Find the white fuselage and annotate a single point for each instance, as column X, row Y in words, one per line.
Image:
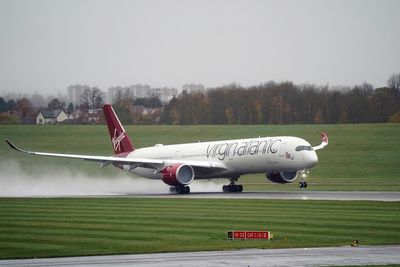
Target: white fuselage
column 242, row 156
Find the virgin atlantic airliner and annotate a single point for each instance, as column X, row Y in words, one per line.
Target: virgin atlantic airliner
column 282, row 158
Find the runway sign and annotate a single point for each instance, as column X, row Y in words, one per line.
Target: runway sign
column 249, row 235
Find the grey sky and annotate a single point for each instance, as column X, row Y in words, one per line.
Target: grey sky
column 48, row 45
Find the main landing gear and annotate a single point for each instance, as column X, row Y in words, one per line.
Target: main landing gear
column 180, row 189
column 232, row 187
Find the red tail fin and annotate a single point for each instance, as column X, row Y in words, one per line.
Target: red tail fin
column 119, row 138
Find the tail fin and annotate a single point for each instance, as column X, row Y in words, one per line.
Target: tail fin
column 119, row 138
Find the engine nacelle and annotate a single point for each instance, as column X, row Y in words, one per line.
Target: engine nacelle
column 178, row 175
column 282, row 177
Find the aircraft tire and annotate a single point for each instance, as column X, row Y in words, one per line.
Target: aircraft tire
column 240, row 188
column 186, row 190
column 232, row 188
column 302, row 184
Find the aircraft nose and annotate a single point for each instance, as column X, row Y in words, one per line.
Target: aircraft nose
column 311, row 159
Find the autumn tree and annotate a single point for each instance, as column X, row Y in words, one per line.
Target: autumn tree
column 284, row 103
column 24, row 106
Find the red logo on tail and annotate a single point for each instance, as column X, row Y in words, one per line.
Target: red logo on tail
column 116, row 140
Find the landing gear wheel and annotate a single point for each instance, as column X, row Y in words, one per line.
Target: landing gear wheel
column 180, row 189
column 302, row 184
column 239, row 188
column 232, row 187
column 186, row 190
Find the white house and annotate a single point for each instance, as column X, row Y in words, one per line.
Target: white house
column 51, row 116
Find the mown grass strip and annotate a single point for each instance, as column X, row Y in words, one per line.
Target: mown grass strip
column 91, row 226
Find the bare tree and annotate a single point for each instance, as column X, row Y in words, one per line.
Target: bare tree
column 56, row 104
column 394, row 81
column 92, row 98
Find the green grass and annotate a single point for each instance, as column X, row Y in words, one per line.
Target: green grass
column 359, row 157
column 94, row 226
column 384, row 265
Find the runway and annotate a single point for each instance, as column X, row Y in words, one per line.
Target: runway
column 289, row 195
column 368, row 255
column 295, row 195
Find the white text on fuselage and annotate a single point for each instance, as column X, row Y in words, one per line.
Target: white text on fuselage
column 252, row 147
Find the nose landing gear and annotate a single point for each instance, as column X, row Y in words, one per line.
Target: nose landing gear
column 304, row 175
column 302, row 184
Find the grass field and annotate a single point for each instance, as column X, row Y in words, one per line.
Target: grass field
column 93, row 226
column 359, row 157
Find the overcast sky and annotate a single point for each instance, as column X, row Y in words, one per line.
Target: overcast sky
column 47, row 45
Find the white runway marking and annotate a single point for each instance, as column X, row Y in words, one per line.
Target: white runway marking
column 368, row 255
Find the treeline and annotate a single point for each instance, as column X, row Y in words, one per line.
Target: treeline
column 269, row 103
column 286, row 103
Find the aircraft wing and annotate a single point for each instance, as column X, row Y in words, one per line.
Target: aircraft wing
column 155, row 164
column 324, row 141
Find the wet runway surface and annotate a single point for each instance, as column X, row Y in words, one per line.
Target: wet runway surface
column 367, row 255
column 290, row 195
column 299, row 195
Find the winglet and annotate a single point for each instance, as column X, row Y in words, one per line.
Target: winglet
column 14, row 146
column 324, row 141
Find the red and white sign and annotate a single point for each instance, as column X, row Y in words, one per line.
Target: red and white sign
column 249, row 235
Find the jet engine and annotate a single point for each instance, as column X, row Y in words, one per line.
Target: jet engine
column 178, row 175
column 282, row 177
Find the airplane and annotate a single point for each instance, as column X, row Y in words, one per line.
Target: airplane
column 282, row 158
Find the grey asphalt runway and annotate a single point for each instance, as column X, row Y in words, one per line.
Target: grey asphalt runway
column 298, row 195
column 368, row 255
column 294, row 195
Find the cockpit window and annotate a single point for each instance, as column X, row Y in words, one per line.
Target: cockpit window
column 301, row 148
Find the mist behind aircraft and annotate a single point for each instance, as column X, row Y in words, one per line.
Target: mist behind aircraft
column 16, row 181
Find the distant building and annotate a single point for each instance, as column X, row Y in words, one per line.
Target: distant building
column 165, row 94
column 51, row 116
column 118, row 92
column 75, row 93
column 136, row 91
column 193, row 88
column 141, row 91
